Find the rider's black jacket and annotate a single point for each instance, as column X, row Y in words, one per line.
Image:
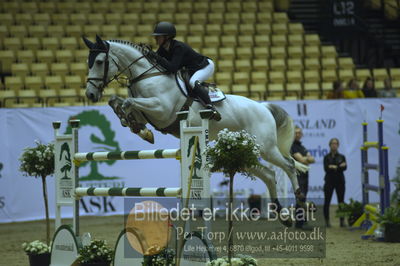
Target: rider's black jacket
column 181, row 55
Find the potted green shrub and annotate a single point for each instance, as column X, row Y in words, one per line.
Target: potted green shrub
column 390, row 220
column 166, row 257
column 231, row 153
column 97, row 253
column 38, row 252
column 352, row 211
column 39, row 162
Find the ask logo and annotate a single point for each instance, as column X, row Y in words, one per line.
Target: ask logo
column 102, row 138
column 104, row 142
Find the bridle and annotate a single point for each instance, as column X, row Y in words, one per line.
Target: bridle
column 105, row 83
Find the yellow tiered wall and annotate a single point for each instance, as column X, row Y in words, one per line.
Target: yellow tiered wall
column 258, row 53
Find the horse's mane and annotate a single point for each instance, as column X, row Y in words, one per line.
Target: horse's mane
column 141, row 47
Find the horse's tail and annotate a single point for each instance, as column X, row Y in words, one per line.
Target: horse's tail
column 285, row 133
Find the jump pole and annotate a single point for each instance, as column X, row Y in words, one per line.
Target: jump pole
column 67, row 160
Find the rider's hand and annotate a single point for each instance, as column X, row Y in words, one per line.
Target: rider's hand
column 152, row 55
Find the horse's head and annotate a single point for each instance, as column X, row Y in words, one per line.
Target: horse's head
column 101, row 68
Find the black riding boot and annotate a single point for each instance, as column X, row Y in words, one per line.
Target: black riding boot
column 202, row 93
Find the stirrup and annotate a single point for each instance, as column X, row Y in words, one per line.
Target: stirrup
column 215, row 115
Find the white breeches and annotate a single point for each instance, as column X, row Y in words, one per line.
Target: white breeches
column 203, row 74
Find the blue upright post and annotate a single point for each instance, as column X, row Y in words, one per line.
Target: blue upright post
column 364, row 171
column 381, row 171
column 386, row 176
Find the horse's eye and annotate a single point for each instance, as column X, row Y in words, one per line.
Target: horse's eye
column 99, row 62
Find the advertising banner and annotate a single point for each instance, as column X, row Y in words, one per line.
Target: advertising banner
column 100, row 130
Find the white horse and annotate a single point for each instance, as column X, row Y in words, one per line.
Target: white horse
column 154, row 97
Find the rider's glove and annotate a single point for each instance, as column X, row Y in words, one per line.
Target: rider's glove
column 152, row 55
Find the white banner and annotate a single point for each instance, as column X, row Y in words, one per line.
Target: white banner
column 21, row 197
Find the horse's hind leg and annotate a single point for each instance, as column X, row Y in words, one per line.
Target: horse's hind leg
column 288, row 165
column 275, row 157
column 295, row 183
column 268, row 177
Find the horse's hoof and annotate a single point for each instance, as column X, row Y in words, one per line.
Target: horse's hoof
column 147, row 135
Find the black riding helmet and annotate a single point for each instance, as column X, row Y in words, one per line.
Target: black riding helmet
column 164, row 29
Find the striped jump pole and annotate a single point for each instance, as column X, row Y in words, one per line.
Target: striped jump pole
column 129, row 192
column 127, row 155
column 68, row 158
column 194, row 179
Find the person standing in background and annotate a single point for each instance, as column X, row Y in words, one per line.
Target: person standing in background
column 369, row 88
column 337, row 90
column 334, row 165
column 353, row 90
column 388, row 91
column 300, row 154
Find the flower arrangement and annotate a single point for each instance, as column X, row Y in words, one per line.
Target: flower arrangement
column 39, row 162
column 233, row 152
column 96, row 251
column 36, row 247
column 165, row 258
column 240, row 260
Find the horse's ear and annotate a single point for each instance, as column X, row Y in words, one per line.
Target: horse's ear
column 88, row 43
column 98, row 39
column 102, row 44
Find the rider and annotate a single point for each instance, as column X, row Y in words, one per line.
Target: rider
column 174, row 55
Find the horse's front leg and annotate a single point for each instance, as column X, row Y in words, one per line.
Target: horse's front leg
column 150, row 105
column 131, row 120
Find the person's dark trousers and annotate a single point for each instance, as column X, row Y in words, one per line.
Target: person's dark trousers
column 331, row 184
column 303, row 184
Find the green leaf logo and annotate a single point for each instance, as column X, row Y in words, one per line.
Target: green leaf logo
column 105, row 142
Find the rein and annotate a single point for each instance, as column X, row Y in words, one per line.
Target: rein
column 142, row 76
